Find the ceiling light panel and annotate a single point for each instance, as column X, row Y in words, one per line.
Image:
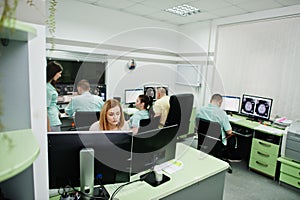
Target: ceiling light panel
column 183, row 10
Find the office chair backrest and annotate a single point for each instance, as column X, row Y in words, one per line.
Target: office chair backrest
column 149, row 124
column 209, row 137
column 181, row 106
column 84, row 119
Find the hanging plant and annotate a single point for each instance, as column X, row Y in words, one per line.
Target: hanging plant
column 51, row 22
column 8, row 9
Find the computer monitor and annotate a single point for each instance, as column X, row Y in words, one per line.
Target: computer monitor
column 256, row 107
column 231, row 104
column 131, row 95
column 112, row 153
column 151, row 90
column 153, row 147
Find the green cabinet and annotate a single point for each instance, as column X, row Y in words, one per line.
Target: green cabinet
column 264, row 153
column 289, row 172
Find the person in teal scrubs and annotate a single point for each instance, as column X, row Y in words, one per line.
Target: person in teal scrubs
column 143, row 103
column 85, row 101
column 213, row 112
column 54, row 71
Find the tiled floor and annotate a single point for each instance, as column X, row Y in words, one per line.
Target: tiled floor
column 245, row 184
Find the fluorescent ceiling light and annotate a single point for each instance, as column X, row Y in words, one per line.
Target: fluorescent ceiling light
column 183, row 10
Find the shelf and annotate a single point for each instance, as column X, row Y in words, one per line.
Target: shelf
column 17, row 30
column 18, row 150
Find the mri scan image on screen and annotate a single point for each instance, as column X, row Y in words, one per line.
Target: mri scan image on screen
column 256, row 107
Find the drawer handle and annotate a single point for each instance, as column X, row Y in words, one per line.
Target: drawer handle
column 263, row 154
column 262, row 164
column 267, row 145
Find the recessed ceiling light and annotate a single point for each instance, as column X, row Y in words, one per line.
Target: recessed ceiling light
column 183, row 10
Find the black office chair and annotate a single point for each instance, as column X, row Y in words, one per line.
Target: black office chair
column 181, row 106
column 84, row 119
column 149, row 124
column 209, row 137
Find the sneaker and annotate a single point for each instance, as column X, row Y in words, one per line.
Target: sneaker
column 235, row 159
column 229, row 170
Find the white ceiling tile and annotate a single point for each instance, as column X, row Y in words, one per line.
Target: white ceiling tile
column 234, row 2
column 88, row 1
column 141, row 9
column 115, row 4
column 258, row 5
column 163, row 15
column 288, row 2
column 208, row 5
column 162, row 4
column 228, row 11
column 137, row 1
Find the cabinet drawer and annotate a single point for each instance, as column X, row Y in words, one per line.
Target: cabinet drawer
column 289, row 180
column 266, row 157
column 290, row 170
column 262, row 166
column 265, row 146
column 294, row 145
column 295, row 155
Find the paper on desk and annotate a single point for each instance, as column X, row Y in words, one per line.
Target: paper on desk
column 172, row 166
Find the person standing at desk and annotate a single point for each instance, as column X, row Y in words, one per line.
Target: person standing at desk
column 143, row 103
column 213, row 112
column 85, row 101
column 162, row 106
column 54, row 71
column 111, row 118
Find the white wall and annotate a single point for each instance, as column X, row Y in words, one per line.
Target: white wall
column 219, row 77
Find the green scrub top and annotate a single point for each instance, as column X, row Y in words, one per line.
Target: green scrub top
column 134, row 120
column 52, row 108
column 216, row 114
column 84, row 102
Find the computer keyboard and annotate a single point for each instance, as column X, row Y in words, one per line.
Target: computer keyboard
column 232, row 119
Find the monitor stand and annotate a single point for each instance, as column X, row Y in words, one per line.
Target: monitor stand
column 130, row 105
column 151, row 179
column 87, row 176
column 255, row 119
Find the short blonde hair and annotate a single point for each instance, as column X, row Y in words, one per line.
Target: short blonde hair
column 111, row 103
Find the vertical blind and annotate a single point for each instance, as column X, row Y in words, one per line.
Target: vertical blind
column 261, row 58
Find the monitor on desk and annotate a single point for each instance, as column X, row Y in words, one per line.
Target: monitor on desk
column 112, row 153
column 153, row 147
column 231, row 104
column 151, row 90
column 131, row 95
column 257, row 108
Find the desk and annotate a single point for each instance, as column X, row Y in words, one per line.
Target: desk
column 263, row 141
column 202, row 176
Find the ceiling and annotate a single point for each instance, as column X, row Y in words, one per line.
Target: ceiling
column 210, row 9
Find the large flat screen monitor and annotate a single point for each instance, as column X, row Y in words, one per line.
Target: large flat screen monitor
column 112, row 153
column 153, row 147
column 256, row 107
column 131, row 95
column 231, row 104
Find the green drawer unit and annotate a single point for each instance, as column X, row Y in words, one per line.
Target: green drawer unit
column 262, row 166
column 293, row 171
column 289, row 180
column 264, row 146
column 263, row 157
column 289, row 172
